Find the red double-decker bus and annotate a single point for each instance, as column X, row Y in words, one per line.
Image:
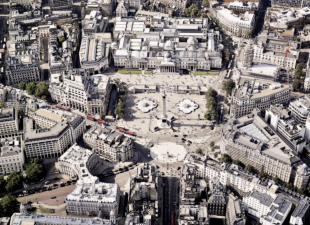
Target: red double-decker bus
column 101, row 121
column 58, row 106
column 90, row 117
column 121, row 130
column 130, row 133
column 172, row 218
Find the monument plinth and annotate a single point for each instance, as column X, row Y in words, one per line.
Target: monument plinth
column 163, row 123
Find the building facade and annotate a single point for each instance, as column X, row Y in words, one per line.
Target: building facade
column 76, row 89
column 238, row 25
column 22, row 67
column 250, row 140
column 51, row 141
column 9, row 122
column 254, row 93
column 90, row 197
column 11, row 156
column 109, row 144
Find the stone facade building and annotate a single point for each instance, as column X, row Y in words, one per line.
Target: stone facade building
column 9, row 122
column 90, row 197
column 24, row 66
column 254, row 93
column 109, row 144
column 250, row 140
column 238, row 25
column 11, row 157
column 76, row 89
column 183, row 45
column 51, row 132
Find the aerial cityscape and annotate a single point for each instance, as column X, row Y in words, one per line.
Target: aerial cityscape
column 144, row 112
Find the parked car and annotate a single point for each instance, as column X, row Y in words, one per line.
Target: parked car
column 62, row 184
column 47, row 182
column 53, row 197
column 178, row 168
column 55, row 185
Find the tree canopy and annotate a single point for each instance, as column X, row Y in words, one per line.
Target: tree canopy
column 22, row 85
column 14, row 181
column 42, row 90
column 228, row 86
column 211, row 104
column 31, row 88
column 35, row 171
column 199, row 151
column 226, row 158
column 2, row 182
column 8, row 204
column 205, row 3
column 249, row 168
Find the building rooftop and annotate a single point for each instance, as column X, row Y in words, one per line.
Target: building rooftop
column 88, row 187
column 32, row 219
column 253, row 132
column 249, row 88
column 264, row 199
column 7, row 114
column 301, row 209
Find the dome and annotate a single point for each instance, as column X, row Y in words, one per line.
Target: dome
column 167, row 55
column 290, row 14
column 192, row 41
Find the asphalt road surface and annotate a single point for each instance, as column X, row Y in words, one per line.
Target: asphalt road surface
column 45, row 197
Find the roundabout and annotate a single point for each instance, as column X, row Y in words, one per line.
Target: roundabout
column 168, row 152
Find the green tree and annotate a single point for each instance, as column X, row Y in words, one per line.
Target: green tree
column 236, row 162
column 22, row 85
column 289, row 186
column 205, row 3
column 31, row 88
column 35, row 171
column 212, row 144
column 42, row 90
column 14, row 181
column 211, row 93
column 226, row 158
column 301, row 191
column 296, row 84
column 226, row 101
column 2, row 105
column 8, row 204
column 263, row 174
column 239, row 33
column 249, row 168
column 276, row 179
column 61, row 39
column 228, row 86
column 119, row 110
column 199, row 151
column 191, row 11
column 216, row 154
column 2, row 183
column 102, row 117
column 208, row 115
column 298, row 39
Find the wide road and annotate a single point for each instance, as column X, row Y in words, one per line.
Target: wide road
column 45, row 197
column 171, row 199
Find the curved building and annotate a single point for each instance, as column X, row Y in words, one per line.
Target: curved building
column 90, row 197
